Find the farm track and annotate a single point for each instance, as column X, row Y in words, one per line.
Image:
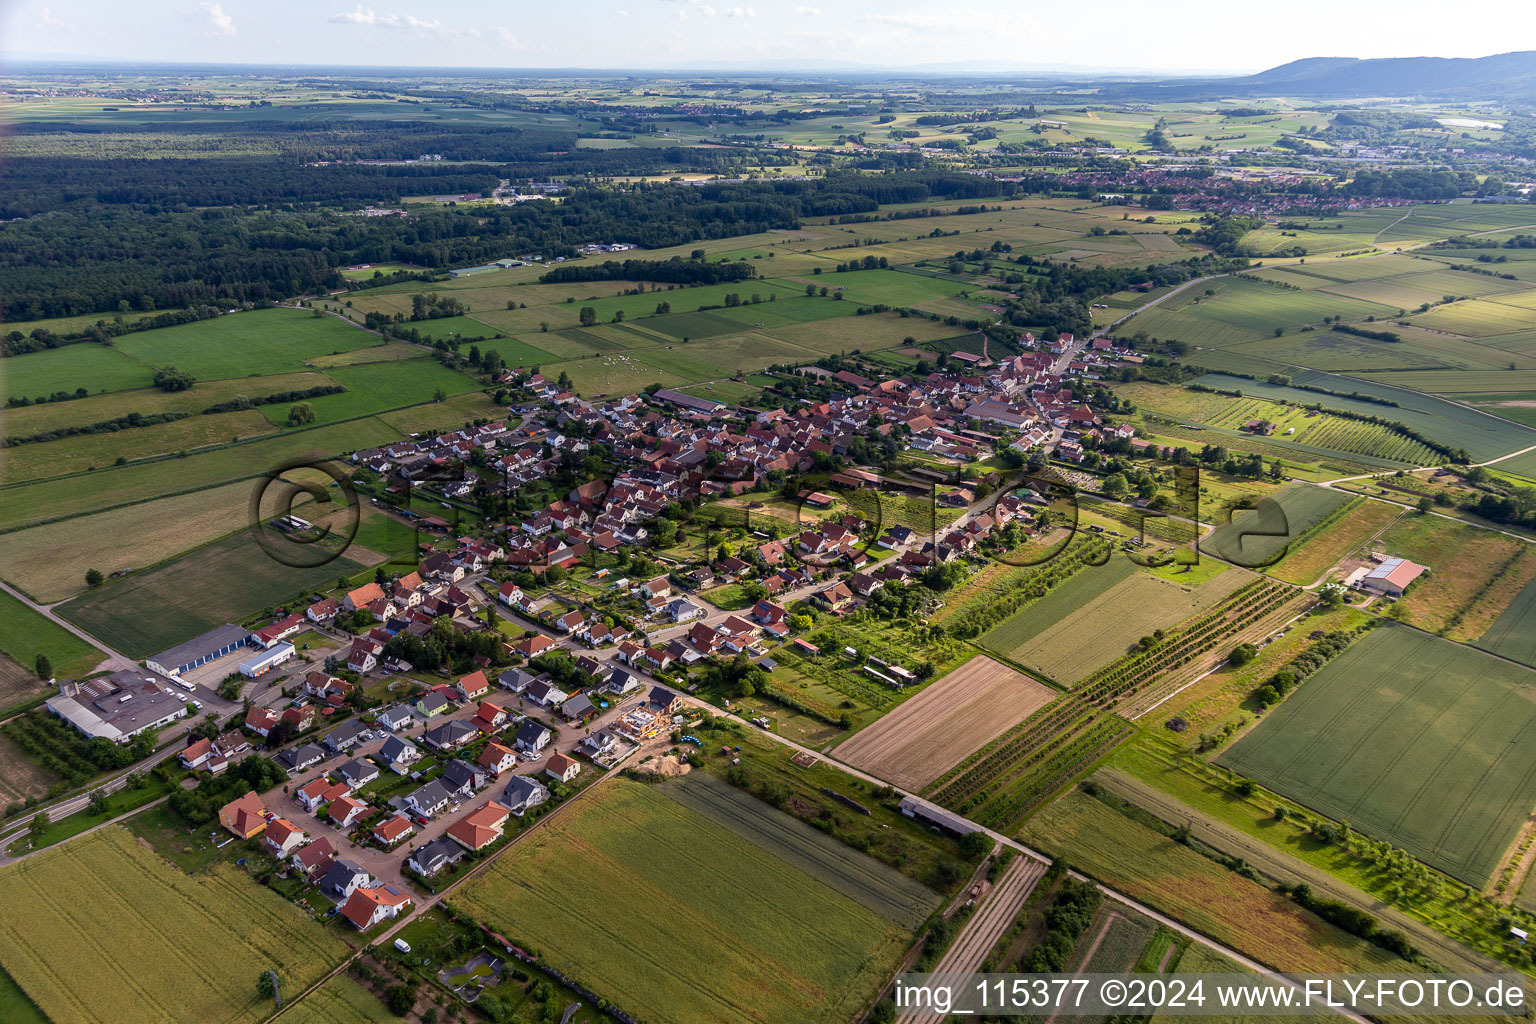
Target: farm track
column 998, row 909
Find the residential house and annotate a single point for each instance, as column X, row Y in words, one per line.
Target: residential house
column 450, row 735
column 367, row 907
column 429, row 800
column 663, row 701
column 314, row 859
column 515, row 679
column 245, row 816
column 474, row 685
column 346, row 735
column 431, row 704
column 497, row 758
column 283, row 837
column 362, row 597
column 463, row 778
column 523, row 793
column 401, row 716
column 358, row 772
column 301, row 757
column 601, row 745
column 562, row 767
column 835, row 597
column 489, row 717
column 393, row 831
column 345, row 811
column 532, row 737
column 545, row 693
column 260, row 720
column 312, row 794
column 322, row 611
column 479, row 828
column 578, row 708
column 430, row 858
column 399, row 753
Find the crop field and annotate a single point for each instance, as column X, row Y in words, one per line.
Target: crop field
column 67, row 909
column 21, row 778
column 1475, row 318
column 1265, row 534
column 1344, row 529
column 1483, row 436
column 49, row 562
column 83, row 453
column 160, row 607
column 374, row 387
column 35, row 419
column 1513, row 633
column 108, row 488
column 242, row 344
column 729, row 931
column 85, row 365
column 1146, row 865
column 25, row 634
column 862, row 879
column 951, row 718
column 1473, row 573
column 1426, row 744
column 1099, row 616
column 341, row 1000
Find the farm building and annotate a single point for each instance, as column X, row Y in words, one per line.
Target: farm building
column 692, row 404
column 267, row 660
column 1392, row 577
column 116, row 707
column 200, row 650
column 928, row 814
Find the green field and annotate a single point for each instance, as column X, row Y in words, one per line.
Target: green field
column 864, row 880
column 107, row 488
column 84, row 365
column 225, row 581
column 1264, row 534
column 1412, row 739
column 1513, row 633
column 675, row 918
column 24, row 634
column 1097, row 616
column 375, row 387
column 198, row 941
column 259, row 342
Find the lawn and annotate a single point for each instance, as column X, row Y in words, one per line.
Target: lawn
column 730, row 598
column 25, row 634
column 198, row 941
column 1412, row 739
column 85, row 365
column 728, row 931
column 160, row 607
column 246, row 344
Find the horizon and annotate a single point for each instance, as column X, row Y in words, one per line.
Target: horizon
column 694, row 36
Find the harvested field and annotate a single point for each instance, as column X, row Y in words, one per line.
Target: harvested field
column 954, row 716
column 19, row 777
column 340, row 1000
column 18, row 684
column 99, row 930
column 1424, row 743
column 865, row 880
column 728, row 931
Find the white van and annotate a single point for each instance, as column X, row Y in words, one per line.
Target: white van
column 402, row 945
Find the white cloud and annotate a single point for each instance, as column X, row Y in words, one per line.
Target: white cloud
column 741, row 12
column 367, row 16
column 808, row 12
column 214, row 21
column 506, row 38
column 46, row 22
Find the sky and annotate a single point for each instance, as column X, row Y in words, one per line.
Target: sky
column 1172, row 35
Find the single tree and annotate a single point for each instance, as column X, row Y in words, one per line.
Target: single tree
column 301, row 414
column 44, row 667
column 94, row 578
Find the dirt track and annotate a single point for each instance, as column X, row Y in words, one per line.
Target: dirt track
column 932, row 732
